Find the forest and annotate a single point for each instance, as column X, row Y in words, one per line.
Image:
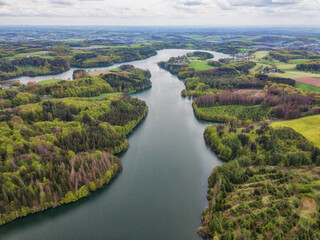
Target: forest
column 18, row 61
column 56, row 151
column 59, row 140
column 268, row 186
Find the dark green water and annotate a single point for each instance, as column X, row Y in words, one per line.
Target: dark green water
column 161, row 192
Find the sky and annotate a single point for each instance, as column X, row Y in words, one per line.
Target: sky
column 161, row 12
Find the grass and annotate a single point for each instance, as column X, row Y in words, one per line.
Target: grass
column 261, row 54
column 200, row 65
column 307, row 87
column 297, row 61
column 34, row 54
column 104, row 95
column 297, row 74
column 289, row 68
column 115, row 70
column 309, row 127
column 49, row 81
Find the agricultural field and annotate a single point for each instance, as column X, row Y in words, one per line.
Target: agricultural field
column 309, row 127
column 307, row 87
column 48, row 81
column 296, row 74
column 287, row 69
column 200, row 65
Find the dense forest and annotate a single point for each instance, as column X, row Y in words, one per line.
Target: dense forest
column 128, row 80
column 55, row 151
column 309, row 66
column 57, row 59
column 268, row 189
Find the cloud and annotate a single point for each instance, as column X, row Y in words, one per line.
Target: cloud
column 2, row 3
column 261, row 3
column 160, row 12
column 62, row 2
column 193, row 3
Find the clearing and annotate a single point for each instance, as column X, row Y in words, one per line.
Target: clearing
column 200, row 65
column 49, row 81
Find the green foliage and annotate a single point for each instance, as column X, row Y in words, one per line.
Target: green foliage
column 54, row 152
column 32, row 66
column 133, row 79
column 286, row 55
column 264, row 145
column 233, row 112
column 259, row 202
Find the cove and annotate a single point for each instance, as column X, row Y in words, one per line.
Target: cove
column 161, row 192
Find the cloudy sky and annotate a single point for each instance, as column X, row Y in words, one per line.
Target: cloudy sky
column 160, row 12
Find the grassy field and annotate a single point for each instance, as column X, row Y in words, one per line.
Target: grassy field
column 307, row 87
column 261, row 54
column 200, row 65
column 309, row 127
column 289, row 68
column 297, row 61
column 296, row 74
column 104, row 95
column 49, row 81
column 42, row 54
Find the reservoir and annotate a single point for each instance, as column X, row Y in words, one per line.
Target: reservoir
column 161, row 191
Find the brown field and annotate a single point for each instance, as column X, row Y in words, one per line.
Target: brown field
column 251, row 92
column 309, row 80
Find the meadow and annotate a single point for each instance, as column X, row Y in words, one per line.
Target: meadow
column 307, row 87
column 309, row 127
column 200, row 65
column 48, row 81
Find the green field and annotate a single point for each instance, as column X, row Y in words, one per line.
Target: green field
column 289, row 68
column 200, row 65
column 34, row 54
column 104, row 95
column 297, row 61
column 296, row 74
column 309, row 127
column 49, row 81
column 307, row 87
column 261, row 54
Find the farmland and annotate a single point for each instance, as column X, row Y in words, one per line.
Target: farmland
column 307, row 87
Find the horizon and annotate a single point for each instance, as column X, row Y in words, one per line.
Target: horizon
column 161, row 13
